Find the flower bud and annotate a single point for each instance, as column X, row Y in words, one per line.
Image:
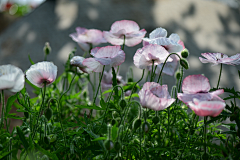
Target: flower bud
column 117, row 146
column 178, row 75
column 48, row 113
column 184, row 63
column 47, row 49
column 123, row 103
column 108, row 144
column 146, row 127
column 155, row 120
column 137, row 123
column 185, row 53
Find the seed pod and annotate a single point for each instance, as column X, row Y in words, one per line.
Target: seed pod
column 137, row 123
column 117, row 146
column 146, row 127
column 155, row 120
column 48, row 113
column 185, row 53
column 123, row 103
column 108, row 144
column 184, row 63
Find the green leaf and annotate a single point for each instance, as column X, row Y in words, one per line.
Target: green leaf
column 4, row 155
column 114, row 132
column 30, row 59
column 107, row 91
column 103, row 104
column 22, row 137
column 10, row 103
column 15, row 117
column 133, row 95
column 100, row 138
column 79, row 122
column 89, row 107
column 50, row 155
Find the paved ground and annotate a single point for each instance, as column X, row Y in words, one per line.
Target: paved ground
column 204, row 26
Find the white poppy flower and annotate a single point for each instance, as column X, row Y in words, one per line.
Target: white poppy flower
column 42, row 72
column 11, row 78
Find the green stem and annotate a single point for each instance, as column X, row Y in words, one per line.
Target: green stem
column 41, row 108
column 219, row 76
column 164, row 65
column 108, row 105
column 99, row 84
column 205, row 135
column 152, row 71
column 123, row 42
column 60, row 106
column 3, row 106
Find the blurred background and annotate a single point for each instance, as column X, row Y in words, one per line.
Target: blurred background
column 203, row 26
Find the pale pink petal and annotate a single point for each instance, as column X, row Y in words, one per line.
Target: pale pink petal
column 127, row 25
column 135, row 38
column 150, row 101
column 187, row 98
column 144, row 43
column 108, row 51
column 94, row 51
column 19, row 81
column 207, row 60
column 118, row 59
column 104, row 61
column 195, row 84
column 94, row 36
column 81, row 30
column 169, row 67
column 77, row 61
column 114, row 40
column 158, row 32
column 207, row 108
column 92, row 64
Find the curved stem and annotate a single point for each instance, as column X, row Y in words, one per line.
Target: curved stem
column 164, row 65
column 219, row 76
column 42, row 105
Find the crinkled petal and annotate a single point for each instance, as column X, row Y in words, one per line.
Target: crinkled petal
column 187, row 98
column 174, row 37
column 77, row 61
column 158, row 32
column 169, row 67
column 81, row 30
column 108, row 51
column 92, row 64
column 195, row 84
column 207, row 108
column 114, row 40
column 134, row 39
column 128, row 25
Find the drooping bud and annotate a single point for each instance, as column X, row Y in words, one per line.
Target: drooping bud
column 48, row 113
column 146, row 127
column 108, row 144
column 123, row 103
column 177, row 75
column 155, row 120
column 184, row 63
column 136, row 124
column 185, row 53
column 47, row 49
column 117, row 146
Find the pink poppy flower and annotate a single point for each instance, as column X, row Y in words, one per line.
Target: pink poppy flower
column 145, row 56
column 131, row 30
column 207, row 108
column 77, row 61
column 109, row 55
column 11, row 78
column 42, row 72
column 158, row 36
column 197, row 87
column 154, row 96
column 217, row 58
column 84, row 37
